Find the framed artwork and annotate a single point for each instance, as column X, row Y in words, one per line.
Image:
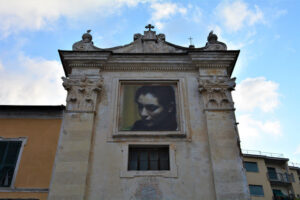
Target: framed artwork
column 148, row 107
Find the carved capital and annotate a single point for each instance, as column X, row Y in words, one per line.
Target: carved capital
column 216, row 92
column 82, row 92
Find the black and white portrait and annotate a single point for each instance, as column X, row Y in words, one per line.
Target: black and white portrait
column 148, row 108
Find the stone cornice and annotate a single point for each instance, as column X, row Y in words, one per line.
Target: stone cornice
column 149, row 67
column 110, row 61
column 90, row 65
column 219, row 109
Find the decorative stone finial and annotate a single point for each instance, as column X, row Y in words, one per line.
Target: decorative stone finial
column 213, row 44
column 86, row 44
column 87, row 37
column 212, row 38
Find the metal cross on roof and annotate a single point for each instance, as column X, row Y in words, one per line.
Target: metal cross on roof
column 191, row 40
column 149, row 26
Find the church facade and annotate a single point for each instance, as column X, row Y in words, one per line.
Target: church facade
column 149, row 120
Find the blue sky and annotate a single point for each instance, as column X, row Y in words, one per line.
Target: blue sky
column 267, row 33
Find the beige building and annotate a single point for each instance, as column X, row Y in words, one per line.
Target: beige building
column 28, row 141
column 270, row 177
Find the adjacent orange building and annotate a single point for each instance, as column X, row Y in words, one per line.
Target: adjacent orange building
column 28, row 141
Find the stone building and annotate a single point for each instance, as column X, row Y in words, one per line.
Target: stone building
column 149, row 120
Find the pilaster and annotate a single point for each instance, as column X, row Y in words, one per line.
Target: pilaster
column 229, row 177
column 72, row 158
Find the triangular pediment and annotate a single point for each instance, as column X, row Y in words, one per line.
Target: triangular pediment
column 150, row 42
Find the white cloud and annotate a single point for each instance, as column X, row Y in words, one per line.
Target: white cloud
column 276, row 36
column 164, row 11
column 251, row 130
column 254, row 93
column 297, row 152
column 280, row 13
column 18, row 15
column 38, row 81
column 1, row 66
column 249, row 126
column 236, row 14
column 196, row 13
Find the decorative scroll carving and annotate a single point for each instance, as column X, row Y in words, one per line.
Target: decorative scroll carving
column 216, row 92
column 86, row 44
column 82, row 92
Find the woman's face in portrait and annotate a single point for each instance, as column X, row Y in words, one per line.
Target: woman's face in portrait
column 150, row 110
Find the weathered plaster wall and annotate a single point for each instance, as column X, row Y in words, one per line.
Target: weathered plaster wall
column 205, row 159
column 38, row 155
column 194, row 177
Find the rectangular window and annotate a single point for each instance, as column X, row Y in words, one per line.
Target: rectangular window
column 143, row 158
column 272, row 173
column 9, row 152
column 251, row 166
column 292, row 177
column 256, row 190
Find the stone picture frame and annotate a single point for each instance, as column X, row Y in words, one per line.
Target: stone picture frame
column 177, row 84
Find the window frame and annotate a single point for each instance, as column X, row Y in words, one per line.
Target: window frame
column 23, row 141
column 258, row 195
column 126, row 173
column 252, row 162
column 148, row 149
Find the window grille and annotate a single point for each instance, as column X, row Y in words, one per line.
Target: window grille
column 143, row 158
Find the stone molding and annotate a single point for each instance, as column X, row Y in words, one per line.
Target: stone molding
column 148, row 67
column 212, row 65
column 37, row 190
column 109, row 61
column 216, row 92
column 82, row 92
column 96, row 65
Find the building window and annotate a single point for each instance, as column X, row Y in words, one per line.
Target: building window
column 145, row 158
column 251, row 166
column 256, row 190
column 9, row 153
column 279, row 195
column 292, row 177
column 272, row 173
